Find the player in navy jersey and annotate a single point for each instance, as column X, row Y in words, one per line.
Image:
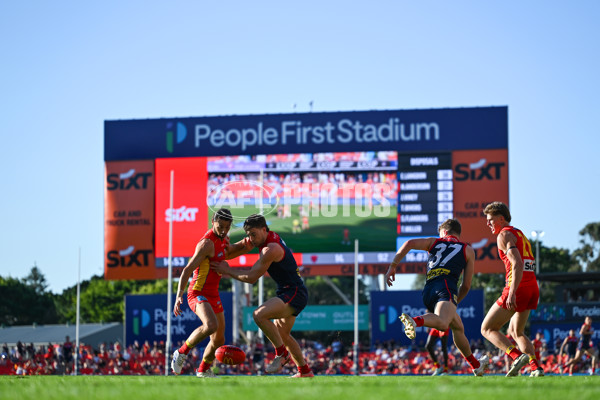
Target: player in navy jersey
column 448, row 259
column 568, row 346
column 584, row 346
column 291, row 296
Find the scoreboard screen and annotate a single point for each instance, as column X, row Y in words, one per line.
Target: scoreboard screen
column 321, row 180
column 426, row 193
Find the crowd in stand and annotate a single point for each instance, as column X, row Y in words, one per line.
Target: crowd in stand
column 335, row 359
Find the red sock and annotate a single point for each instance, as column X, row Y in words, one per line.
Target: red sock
column 513, row 352
column 185, row 348
column 473, row 362
column 305, row 369
column 533, row 363
column 204, row 366
column 281, row 350
column 419, row 321
column 436, row 364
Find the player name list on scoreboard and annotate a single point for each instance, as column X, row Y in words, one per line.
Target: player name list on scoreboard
column 425, row 193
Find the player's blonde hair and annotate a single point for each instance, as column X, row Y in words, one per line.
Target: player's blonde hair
column 497, row 208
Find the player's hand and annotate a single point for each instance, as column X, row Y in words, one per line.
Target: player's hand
column 220, row 267
column 511, row 301
column 390, row 275
column 177, row 307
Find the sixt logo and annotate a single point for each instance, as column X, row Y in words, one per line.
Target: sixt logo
column 479, row 170
column 181, row 214
column 177, row 132
column 141, row 319
column 484, row 250
column 128, row 258
column 128, row 180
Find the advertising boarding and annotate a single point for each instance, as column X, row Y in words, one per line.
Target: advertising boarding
column 386, row 308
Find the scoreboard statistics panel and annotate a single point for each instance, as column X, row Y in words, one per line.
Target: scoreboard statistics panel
column 426, row 194
column 382, row 177
column 438, row 186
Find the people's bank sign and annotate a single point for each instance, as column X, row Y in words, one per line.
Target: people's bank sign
column 146, row 319
column 393, row 130
column 387, row 306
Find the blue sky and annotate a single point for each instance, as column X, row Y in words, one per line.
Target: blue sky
column 67, row 66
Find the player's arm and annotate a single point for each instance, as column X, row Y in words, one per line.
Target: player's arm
column 269, row 254
column 465, row 286
column 507, row 242
column 412, row 244
column 204, row 248
column 562, row 346
column 585, row 329
column 237, row 249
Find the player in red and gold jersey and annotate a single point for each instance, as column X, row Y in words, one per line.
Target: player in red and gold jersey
column 520, row 294
column 203, row 295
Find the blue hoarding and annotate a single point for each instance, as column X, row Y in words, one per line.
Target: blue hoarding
column 392, row 130
column 146, row 319
column 387, row 306
column 555, row 333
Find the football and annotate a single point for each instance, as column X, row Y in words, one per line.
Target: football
column 230, row 355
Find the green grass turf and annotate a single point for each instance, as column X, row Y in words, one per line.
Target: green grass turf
column 326, row 233
column 280, row 387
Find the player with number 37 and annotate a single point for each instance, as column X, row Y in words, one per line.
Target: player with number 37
column 448, row 259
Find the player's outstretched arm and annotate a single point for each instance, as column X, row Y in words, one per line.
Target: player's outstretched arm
column 237, row 249
column 204, row 248
column 413, row 244
column 269, row 254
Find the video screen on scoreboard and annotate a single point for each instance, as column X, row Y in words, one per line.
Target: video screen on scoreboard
column 318, row 202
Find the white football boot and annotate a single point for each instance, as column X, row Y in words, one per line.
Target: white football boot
column 177, row 362
column 410, row 326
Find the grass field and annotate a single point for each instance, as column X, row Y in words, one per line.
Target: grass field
column 279, row 387
column 325, row 233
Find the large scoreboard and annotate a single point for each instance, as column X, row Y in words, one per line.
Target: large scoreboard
column 322, row 180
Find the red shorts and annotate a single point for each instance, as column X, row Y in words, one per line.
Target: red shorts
column 436, row 333
column 196, row 297
column 527, row 298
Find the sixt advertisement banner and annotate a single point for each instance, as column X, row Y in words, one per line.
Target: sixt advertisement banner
column 387, row 306
column 190, row 211
column 146, row 319
column 392, row 130
column 129, row 220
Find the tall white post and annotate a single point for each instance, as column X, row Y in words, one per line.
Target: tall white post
column 76, row 359
column 356, row 372
column 537, row 235
column 236, row 294
column 261, row 299
column 169, row 277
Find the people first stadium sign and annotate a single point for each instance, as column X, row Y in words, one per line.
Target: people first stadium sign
column 322, row 179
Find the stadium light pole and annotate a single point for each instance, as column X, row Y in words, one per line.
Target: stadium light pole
column 169, row 277
column 537, row 235
column 76, row 366
column 356, row 371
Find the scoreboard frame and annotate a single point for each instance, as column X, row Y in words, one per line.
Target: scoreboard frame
column 473, row 143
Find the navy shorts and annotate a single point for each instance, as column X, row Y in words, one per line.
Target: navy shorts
column 583, row 345
column 295, row 296
column 439, row 290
